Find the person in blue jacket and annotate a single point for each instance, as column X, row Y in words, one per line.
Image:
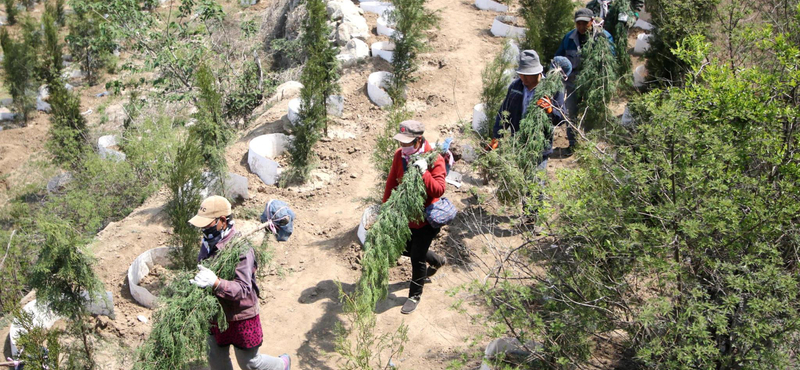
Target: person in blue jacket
column 571, row 49
column 519, row 99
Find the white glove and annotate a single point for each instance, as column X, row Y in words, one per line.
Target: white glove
column 422, row 164
column 204, row 278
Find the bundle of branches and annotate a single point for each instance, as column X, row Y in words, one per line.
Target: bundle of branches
column 387, row 238
column 598, row 78
column 181, row 323
column 620, row 19
column 536, row 128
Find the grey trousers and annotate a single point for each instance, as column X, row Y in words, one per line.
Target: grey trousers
column 219, row 358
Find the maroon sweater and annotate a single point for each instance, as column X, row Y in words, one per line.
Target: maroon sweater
column 434, row 179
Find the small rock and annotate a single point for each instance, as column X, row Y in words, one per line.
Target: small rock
column 142, row 318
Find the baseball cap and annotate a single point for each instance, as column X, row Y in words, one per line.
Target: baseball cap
column 212, row 207
column 584, row 14
column 409, row 130
column 529, row 63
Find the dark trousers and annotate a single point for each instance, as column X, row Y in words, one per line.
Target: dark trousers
column 418, row 248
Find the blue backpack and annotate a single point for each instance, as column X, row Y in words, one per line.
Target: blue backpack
column 440, row 213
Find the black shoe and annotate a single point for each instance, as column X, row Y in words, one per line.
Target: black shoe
column 410, row 305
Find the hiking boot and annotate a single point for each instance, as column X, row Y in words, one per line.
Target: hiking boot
column 410, row 305
column 286, row 360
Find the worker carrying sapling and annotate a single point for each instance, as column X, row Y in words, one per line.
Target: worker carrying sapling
column 519, row 99
column 423, row 232
column 238, row 297
column 570, row 48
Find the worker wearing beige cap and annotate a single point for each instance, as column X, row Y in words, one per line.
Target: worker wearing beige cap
column 238, row 297
column 422, row 233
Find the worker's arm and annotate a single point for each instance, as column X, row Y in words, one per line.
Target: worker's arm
column 241, row 286
column 434, row 178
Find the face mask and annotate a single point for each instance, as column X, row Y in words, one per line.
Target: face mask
column 211, row 232
column 408, row 150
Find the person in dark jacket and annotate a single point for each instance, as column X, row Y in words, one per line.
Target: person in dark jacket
column 238, row 297
column 520, row 97
column 570, row 48
column 422, row 233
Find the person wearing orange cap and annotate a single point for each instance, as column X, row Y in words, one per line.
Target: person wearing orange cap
column 422, row 233
column 238, row 297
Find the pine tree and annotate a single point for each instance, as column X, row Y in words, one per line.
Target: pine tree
column 19, row 77
column 51, row 60
column 90, row 39
column 411, row 21
column 64, row 280
column 67, row 140
column 597, row 80
column 11, row 12
column 211, row 130
column 495, row 85
column 547, row 21
column 185, row 182
column 182, row 320
column 39, row 347
column 319, row 82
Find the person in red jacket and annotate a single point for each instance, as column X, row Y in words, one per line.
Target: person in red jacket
column 422, row 234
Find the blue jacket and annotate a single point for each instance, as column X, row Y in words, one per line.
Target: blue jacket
column 571, row 49
column 513, row 104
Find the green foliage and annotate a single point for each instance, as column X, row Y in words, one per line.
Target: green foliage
column 56, row 8
column 287, row 53
column 34, row 340
column 619, row 31
column 411, row 21
column 67, row 140
column 51, row 60
column 247, row 96
column 16, row 259
column 547, row 22
column 90, row 38
column 63, row 277
column 674, row 21
column 495, row 85
column 19, row 77
column 386, row 145
column 211, row 130
column 185, row 183
column 182, row 320
column 681, row 233
column 319, row 82
column 11, row 11
column 597, row 81
column 368, row 350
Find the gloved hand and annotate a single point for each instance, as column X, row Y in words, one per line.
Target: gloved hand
column 493, row 145
column 422, row 164
column 204, row 277
column 545, row 104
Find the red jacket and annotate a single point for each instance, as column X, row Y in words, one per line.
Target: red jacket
column 433, row 179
